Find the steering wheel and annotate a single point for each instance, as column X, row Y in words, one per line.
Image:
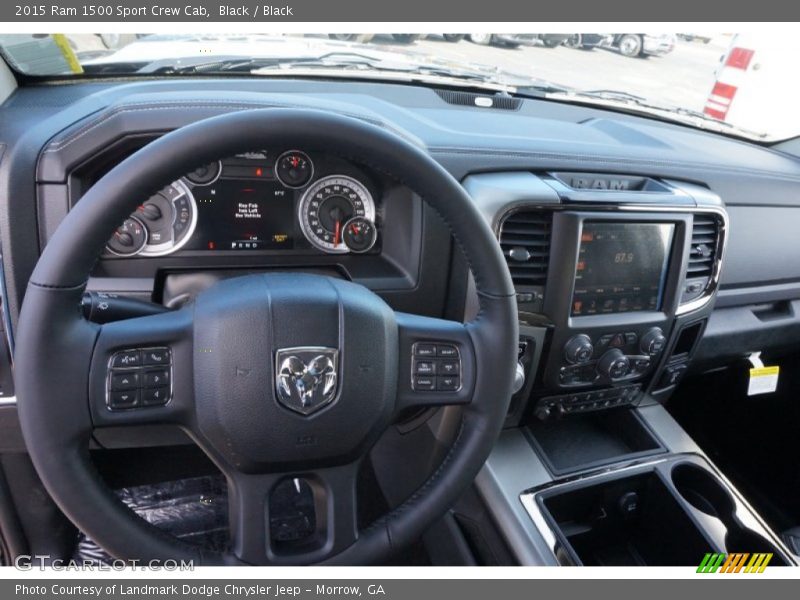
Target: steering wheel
column 274, row 376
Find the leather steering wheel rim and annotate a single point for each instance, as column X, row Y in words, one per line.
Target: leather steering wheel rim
column 56, row 346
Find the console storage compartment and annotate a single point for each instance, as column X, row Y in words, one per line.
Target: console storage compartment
column 592, row 440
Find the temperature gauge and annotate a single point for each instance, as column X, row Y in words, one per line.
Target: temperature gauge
column 129, row 238
column 359, row 235
column 294, row 169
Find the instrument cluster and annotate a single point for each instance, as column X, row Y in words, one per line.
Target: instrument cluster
column 252, row 202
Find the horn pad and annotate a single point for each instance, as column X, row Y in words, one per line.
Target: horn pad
column 292, row 370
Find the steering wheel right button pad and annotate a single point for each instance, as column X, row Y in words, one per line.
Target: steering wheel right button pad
column 436, row 367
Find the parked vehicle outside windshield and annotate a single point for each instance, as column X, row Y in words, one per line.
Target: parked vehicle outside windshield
column 702, row 80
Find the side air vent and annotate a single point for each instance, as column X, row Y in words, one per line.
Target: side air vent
column 525, row 240
column 704, row 246
column 702, row 257
column 480, row 100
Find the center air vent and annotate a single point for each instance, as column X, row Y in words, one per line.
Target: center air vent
column 525, row 240
column 703, row 252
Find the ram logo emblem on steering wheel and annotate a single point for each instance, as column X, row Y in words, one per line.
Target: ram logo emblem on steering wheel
column 306, row 377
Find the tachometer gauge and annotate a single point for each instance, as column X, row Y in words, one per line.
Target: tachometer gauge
column 170, row 217
column 128, row 239
column 359, row 235
column 294, row 169
column 328, row 205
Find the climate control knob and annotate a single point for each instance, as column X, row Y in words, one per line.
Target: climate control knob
column 578, row 349
column 653, row 342
column 613, row 364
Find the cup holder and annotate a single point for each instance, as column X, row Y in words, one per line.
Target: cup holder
column 702, row 490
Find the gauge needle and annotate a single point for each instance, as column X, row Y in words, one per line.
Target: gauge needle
column 337, row 232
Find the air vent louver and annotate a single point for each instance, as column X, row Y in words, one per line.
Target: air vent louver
column 525, row 240
column 705, row 230
column 479, row 100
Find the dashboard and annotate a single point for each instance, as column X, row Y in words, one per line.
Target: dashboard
column 261, row 200
column 630, row 242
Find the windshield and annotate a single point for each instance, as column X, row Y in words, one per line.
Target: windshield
column 738, row 84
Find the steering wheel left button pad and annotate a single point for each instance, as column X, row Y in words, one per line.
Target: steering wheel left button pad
column 139, row 378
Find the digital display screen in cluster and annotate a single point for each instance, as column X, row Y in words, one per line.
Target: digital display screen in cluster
column 235, row 214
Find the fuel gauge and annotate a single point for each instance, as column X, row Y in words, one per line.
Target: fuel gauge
column 359, row 235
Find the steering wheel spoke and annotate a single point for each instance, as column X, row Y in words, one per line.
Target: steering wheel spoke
column 141, row 371
column 292, row 518
column 437, row 363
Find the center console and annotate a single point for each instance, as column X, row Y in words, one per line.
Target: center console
column 614, row 287
column 666, row 512
column 610, row 279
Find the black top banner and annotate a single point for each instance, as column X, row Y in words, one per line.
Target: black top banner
column 446, row 12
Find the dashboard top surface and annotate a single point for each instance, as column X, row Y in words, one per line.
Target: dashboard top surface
column 53, row 129
column 540, row 132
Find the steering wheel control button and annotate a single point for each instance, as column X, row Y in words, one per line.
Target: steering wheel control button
column 155, row 396
column 424, row 383
column 156, row 356
column 448, row 367
column 125, row 380
column 436, row 367
column 131, row 384
column 447, row 384
column 446, row 351
column 128, row 358
column 424, row 367
column 124, row 399
column 425, row 350
column 156, row 378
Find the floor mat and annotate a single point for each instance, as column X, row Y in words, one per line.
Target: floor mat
column 194, row 510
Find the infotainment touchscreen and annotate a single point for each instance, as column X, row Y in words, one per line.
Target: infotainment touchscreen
column 621, row 267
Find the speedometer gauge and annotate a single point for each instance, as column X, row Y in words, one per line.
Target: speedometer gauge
column 328, row 205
